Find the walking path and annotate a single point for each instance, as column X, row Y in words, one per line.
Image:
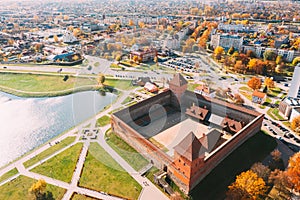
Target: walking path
column 149, row 191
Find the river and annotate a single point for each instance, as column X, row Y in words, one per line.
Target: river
column 26, row 123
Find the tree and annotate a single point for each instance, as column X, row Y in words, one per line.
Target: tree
column 230, row 50
column 118, row 58
column 155, row 60
column 278, row 59
column 239, row 66
column 269, row 55
column 75, row 57
column 254, row 83
column 101, row 79
column 295, row 125
column 247, row 186
column 276, row 155
column 238, row 99
column 55, row 38
column 296, row 61
column 269, row 83
column 293, row 172
column 218, row 52
column 261, row 170
column 38, row 188
column 280, row 180
column 135, row 58
column 130, row 23
column 250, row 54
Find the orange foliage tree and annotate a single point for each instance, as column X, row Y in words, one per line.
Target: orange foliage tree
column 254, row 83
column 293, row 171
column 295, row 125
column 247, row 186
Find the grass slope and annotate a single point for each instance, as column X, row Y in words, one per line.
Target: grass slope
column 61, row 166
column 18, row 189
column 102, row 173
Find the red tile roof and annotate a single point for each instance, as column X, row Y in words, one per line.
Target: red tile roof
column 178, row 80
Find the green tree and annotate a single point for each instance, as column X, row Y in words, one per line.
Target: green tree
column 269, row 55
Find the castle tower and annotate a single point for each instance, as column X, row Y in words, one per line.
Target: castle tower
column 178, row 85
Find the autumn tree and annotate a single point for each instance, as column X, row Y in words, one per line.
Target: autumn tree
column 278, row 59
column 38, row 188
column 130, row 23
column 276, row 155
column 269, row 83
column 218, row 52
column 135, row 58
column 261, row 170
column 118, row 58
column 254, row 83
column 55, row 38
column 155, row 60
column 238, row 99
column 247, row 186
column 230, row 50
column 280, row 180
column 100, row 79
column 295, row 125
column 239, row 66
column 293, row 171
column 296, row 61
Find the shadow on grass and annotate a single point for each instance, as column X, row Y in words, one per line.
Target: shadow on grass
column 214, row 185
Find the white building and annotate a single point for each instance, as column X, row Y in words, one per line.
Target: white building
column 295, row 113
column 294, row 91
column 226, row 41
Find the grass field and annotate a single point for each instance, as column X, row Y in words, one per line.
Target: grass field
column 61, row 166
column 102, row 173
column 127, row 100
column 49, row 151
column 253, row 150
column 103, row 121
column 121, row 84
column 42, row 83
column 8, row 174
column 192, row 87
column 136, row 160
column 18, row 189
column 274, row 114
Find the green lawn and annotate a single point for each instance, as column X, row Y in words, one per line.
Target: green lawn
column 274, row 114
column 136, row 160
column 18, row 189
column 246, row 88
column 253, row 150
column 49, row 151
column 76, row 196
column 115, row 66
column 120, row 84
column 102, row 173
column 8, row 174
column 103, row 121
column 61, row 166
column 42, row 83
column 274, row 92
column 127, row 100
column 192, row 87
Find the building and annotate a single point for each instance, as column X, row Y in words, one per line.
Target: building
column 287, row 105
column 205, row 90
column 258, row 97
column 295, row 113
column 150, row 87
column 193, row 133
column 227, row 41
column 294, row 91
column 144, row 55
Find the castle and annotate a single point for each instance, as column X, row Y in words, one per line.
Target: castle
column 183, row 133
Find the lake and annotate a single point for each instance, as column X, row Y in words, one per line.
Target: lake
column 26, row 123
